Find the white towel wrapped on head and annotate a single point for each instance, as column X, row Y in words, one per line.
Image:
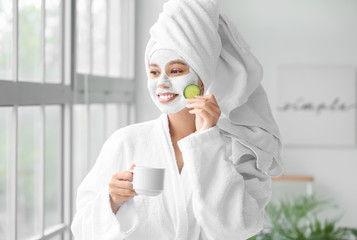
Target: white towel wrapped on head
column 212, row 46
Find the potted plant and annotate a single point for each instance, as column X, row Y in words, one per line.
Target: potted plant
column 297, row 219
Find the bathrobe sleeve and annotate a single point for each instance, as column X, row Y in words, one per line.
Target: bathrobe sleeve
column 229, row 191
column 94, row 218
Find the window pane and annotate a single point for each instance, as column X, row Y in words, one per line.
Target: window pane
column 114, row 38
column 29, row 40
column 5, row 39
column 97, row 133
column 121, row 37
column 124, row 118
column 80, row 156
column 99, row 37
column 53, row 166
column 53, row 43
column 83, row 56
column 112, row 118
column 29, row 153
column 56, row 237
column 82, row 161
column 126, row 9
column 5, row 127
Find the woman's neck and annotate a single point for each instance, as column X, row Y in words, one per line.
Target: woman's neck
column 181, row 124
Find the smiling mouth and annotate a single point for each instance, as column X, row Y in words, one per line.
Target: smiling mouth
column 165, row 98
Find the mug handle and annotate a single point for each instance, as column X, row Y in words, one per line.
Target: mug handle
column 132, row 171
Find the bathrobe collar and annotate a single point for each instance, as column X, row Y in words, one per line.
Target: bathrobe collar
column 176, row 194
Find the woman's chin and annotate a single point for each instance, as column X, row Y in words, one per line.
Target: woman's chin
column 173, row 110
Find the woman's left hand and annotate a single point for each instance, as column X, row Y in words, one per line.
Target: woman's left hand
column 206, row 109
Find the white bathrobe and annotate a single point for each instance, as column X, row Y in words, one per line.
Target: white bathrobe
column 220, row 194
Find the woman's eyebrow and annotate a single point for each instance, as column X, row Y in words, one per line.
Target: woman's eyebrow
column 153, row 65
column 173, row 62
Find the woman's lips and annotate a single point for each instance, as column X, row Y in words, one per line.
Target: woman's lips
column 167, row 99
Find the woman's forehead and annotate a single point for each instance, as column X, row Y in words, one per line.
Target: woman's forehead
column 166, row 56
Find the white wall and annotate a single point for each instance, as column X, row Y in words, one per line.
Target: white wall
column 285, row 32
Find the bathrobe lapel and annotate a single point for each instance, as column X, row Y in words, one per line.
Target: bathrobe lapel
column 175, row 194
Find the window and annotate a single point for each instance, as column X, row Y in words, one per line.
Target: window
column 66, row 84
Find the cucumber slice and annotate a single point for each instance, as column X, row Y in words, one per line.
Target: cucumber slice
column 191, row 91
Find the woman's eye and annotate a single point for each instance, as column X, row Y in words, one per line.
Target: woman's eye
column 176, row 71
column 154, row 72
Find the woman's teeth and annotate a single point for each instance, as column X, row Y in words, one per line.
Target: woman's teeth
column 166, row 96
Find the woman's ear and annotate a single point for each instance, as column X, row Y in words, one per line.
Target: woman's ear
column 200, row 85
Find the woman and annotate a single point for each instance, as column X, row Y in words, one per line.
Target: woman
column 219, row 149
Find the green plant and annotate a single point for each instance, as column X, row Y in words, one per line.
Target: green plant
column 296, row 219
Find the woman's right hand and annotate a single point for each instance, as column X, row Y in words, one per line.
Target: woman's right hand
column 121, row 188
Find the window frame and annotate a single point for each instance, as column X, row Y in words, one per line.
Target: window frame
column 73, row 89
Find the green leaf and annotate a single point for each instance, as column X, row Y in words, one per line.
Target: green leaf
column 296, row 219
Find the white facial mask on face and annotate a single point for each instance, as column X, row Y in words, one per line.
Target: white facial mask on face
column 175, row 85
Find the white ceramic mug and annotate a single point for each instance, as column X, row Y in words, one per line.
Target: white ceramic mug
column 148, row 181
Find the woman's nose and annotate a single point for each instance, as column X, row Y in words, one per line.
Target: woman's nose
column 164, row 82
